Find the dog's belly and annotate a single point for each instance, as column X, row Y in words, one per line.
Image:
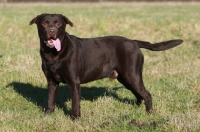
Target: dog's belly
column 96, row 73
column 93, row 77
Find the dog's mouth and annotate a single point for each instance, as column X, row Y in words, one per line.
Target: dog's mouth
column 53, row 43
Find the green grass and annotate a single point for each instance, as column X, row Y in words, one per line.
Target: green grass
column 171, row 76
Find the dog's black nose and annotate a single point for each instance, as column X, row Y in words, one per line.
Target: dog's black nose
column 51, row 32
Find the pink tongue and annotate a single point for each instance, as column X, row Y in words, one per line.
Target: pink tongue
column 57, row 44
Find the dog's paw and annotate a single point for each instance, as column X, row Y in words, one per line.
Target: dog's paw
column 48, row 111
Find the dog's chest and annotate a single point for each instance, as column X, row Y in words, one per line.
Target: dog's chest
column 56, row 71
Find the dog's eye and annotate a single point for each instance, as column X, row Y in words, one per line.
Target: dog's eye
column 58, row 24
column 44, row 24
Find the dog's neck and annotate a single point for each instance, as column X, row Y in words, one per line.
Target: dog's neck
column 47, row 53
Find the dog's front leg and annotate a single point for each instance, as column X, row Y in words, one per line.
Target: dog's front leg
column 75, row 95
column 52, row 92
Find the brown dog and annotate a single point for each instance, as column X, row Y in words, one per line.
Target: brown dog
column 72, row 60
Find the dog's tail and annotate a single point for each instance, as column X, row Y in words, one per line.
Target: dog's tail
column 159, row 46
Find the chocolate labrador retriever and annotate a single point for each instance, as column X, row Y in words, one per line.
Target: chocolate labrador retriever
column 74, row 61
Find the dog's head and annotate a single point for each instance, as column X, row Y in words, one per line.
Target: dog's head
column 51, row 26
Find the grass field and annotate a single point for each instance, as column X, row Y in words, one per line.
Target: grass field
column 171, row 76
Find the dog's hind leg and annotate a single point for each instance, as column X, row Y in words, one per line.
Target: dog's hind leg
column 123, row 81
column 136, row 85
column 131, row 77
column 138, row 89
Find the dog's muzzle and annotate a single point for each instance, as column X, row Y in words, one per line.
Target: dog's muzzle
column 51, row 33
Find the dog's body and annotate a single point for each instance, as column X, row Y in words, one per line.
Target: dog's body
column 81, row 60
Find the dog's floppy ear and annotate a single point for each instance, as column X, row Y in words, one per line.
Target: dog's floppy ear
column 36, row 19
column 66, row 20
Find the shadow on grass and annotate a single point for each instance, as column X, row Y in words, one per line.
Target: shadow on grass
column 38, row 95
